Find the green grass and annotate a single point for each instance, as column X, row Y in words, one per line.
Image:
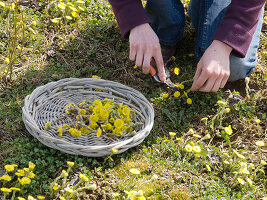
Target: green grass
column 92, row 45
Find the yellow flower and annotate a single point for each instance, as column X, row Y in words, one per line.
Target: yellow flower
column 173, row 58
column 251, row 166
column 75, row 132
column 226, row 162
column 7, row 60
column 83, row 177
column 189, row 101
column 111, row 120
column 116, row 194
column 69, row 190
column 197, row 136
column 257, row 121
column 197, row 149
column 21, row 198
column 191, row 55
column 81, row 8
column 31, row 165
column 165, row 95
column 207, row 137
column 126, row 110
column 135, row 66
column 134, row 171
column 66, row 126
column 241, row 181
column 82, row 111
column 34, row 23
column 228, row 130
column 20, row 172
column 172, row 134
column 31, row 175
column 227, row 110
column 98, row 132
column 61, row 198
column 260, row 143
column 73, row 8
column 9, row 168
column 62, row 6
column 238, row 154
column 220, row 102
column 24, row 181
column 243, row 168
column 68, row 17
column 74, row 14
column 249, row 181
column 6, row 190
column 56, row 20
column 95, row 76
column 48, row 125
column 93, row 118
column 31, row 197
column 103, row 115
column 60, row 130
column 263, row 162
column 176, row 94
column 188, row 148
column 176, row 70
column 26, row 169
column 93, row 126
column 5, row 177
column 204, row 119
column 70, row 163
column 181, row 86
column 118, row 123
column 64, row 173
column 208, row 168
column 15, row 189
column 55, row 186
column 191, row 131
column 114, row 150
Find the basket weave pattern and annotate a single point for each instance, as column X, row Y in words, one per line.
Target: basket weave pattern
column 48, row 103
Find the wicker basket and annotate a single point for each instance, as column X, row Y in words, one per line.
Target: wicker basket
column 48, row 102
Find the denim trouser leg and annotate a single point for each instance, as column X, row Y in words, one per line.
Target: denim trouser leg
column 167, row 17
column 206, row 16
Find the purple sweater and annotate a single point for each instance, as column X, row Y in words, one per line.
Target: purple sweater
column 236, row 28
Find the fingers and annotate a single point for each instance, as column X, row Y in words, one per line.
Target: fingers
column 132, row 53
column 159, row 63
column 200, row 79
column 224, row 80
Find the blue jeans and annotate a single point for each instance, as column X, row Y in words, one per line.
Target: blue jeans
column 168, row 18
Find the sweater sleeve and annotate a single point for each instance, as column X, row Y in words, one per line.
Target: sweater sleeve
column 129, row 14
column 239, row 24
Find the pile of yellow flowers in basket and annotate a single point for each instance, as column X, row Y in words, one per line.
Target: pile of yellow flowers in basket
column 101, row 117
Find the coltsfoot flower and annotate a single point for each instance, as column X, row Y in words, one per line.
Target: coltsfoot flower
column 188, row 148
column 134, row 171
column 83, row 177
column 5, row 178
column 241, row 181
column 196, row 149
column 24, row 181
column 172, row 134
column 228, row 130
column 260, row 143
column 70, row 163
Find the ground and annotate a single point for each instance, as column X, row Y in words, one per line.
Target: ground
column 90, row 44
